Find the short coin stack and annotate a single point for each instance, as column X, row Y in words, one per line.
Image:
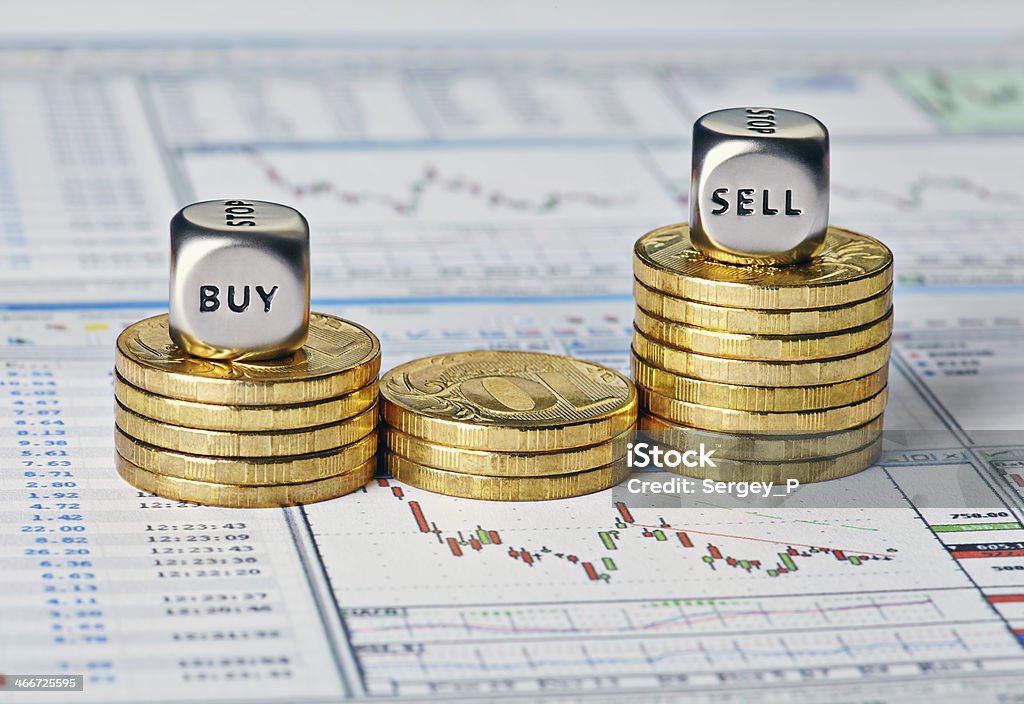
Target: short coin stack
column 509, row 426
column 297, row 429
column 781, row 369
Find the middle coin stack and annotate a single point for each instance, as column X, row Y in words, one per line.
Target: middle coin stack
column 781, row 370
column 297, row 429
column 507, row 425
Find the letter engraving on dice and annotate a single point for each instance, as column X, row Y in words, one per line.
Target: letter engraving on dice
column 759, row 188
column 239, row 279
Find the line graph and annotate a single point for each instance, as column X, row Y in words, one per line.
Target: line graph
column 791, row 656
column 408, row 200
column 784, row 649
column 439, row 184
column 684, row 616
column 913, row 197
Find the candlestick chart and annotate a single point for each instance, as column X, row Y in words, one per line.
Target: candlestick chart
column 602, row 568
column 594, row 588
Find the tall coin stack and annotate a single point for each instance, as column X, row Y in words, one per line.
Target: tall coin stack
column 506, row 425
column 782, row 369
column 297, row 429
column 761, row 331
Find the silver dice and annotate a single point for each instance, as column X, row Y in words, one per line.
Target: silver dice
column 239, row 279
column 759, row 186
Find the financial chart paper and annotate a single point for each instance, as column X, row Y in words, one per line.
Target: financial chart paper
column 489, row 198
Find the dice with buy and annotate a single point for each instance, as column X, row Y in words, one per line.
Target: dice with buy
column 759, row 187
column 239, row 286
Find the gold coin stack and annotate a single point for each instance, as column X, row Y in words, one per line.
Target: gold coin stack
column 293, row 430
column 781, row 370
column 507, row 426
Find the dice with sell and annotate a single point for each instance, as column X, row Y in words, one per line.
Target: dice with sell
column 759, row 187
column 239, row 286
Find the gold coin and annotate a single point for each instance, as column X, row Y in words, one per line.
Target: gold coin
column 770, row 448
column 508, row 401
column 225, row 443
column 338, row 358
column 237, row 496
column 748, row 373
column 475, row 486
column 246, row 470
column 505, row 464
column 728, row 420
column 765, row 348
column 849, row 268
column 243, row 418
column 804, row 471
column 810, row 321
column 757, row 398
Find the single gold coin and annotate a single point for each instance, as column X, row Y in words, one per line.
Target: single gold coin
column 763, row 448
column 749, row 373
column 728, row 420
column 475, row 486
column 508, row 401
column 225, row 443
column 850, row 267
column 338, row 358
column 243, row 418
column 246, row 470
column 811, row 321
column 505, row 464
column 804, row 471
column 239, row 496
column 757, row 398
column 765, row 348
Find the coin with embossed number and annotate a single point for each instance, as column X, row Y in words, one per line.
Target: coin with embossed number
column 475, row 486
column 850, row 267
column 508, row 401
column 339, row 357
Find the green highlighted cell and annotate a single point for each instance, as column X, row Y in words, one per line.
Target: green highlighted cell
column 967, row 527
column 969, row 100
